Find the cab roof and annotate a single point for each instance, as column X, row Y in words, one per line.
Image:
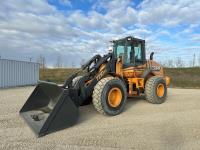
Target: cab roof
column 128, row 38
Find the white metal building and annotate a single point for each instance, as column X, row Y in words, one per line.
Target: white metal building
column 18, row 73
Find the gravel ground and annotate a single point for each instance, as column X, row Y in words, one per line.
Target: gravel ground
column 172, row 125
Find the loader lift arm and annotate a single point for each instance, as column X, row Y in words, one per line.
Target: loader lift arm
column 82, row 91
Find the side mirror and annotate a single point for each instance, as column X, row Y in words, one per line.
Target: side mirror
column 151, row 55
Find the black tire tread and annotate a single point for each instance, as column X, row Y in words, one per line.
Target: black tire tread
column 149, row 90
column 96, row 97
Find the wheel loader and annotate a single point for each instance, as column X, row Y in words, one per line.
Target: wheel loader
column 106, row 81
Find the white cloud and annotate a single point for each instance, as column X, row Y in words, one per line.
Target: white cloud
column 169, row 12
column 35, row 27
column 65, row 2
column 93, row 20
column 195, row 37
column 32, row 6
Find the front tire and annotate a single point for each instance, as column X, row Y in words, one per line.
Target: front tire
column 109, row 96
column 155, row 90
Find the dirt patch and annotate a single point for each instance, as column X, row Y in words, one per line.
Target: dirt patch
column 172, row 125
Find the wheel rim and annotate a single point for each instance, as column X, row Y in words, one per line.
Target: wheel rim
column 160, row 90
column 114, row 97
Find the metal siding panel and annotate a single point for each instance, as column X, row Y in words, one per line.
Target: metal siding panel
column 11, row 72
column 22, row 67
column 5, row 74
column 0, row 74
column 18, row 73
column 5, row 71
column 4, row 63
column 37, row 72
column 8, row 75
column 27, row 81
column 34, row 75
column 22, row 74
column 23, row 78
column 31, row 74
column 14, row 73
column 1, row 69
column 27, row 74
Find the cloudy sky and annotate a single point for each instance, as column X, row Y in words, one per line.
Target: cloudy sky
column 75, row 30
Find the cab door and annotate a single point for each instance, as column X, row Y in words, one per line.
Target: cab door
column 139, row 53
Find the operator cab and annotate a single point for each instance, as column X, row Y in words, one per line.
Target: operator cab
column 131, row 50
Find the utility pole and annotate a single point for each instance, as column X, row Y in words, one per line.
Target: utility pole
column 199, row 60
column 194, row 57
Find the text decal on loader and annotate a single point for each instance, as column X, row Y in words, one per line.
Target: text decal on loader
column 100, row 75
column 155, row 68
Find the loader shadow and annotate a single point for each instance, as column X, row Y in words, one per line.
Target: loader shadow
column 87, row 112
column 132, row 101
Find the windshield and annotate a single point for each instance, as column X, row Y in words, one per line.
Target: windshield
column 128, row 51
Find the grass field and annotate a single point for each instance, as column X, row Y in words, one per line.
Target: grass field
column 184, row 77
column 180, row 77
column 56, row 75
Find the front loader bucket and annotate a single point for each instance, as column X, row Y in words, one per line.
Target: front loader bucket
column 49, row 108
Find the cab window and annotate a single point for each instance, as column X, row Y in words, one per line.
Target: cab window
column 120, row 51
column 128, row 60
column 138, row 52
column 125, row 53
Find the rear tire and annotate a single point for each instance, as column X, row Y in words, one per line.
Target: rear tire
column 155, row 90
column 109, row 96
